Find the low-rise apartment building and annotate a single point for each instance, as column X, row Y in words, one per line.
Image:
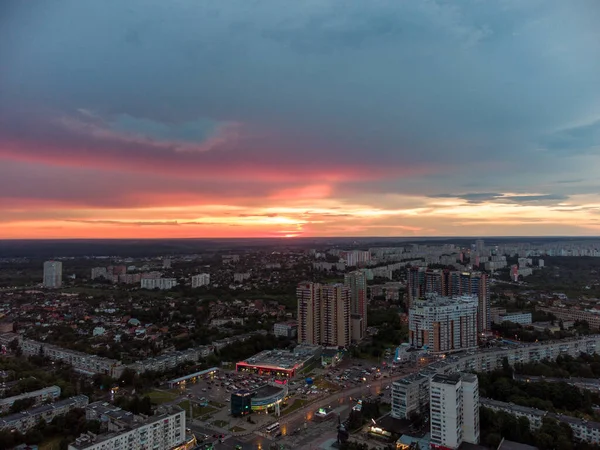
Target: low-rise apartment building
column 82, row 362
column 158, row 283
column 164, row 431
column 583, row 430
column 40, row 396
column 25, row 420
column 591, row 317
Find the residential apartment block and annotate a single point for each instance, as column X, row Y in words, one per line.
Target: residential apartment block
column 357, row 283
column 571, row 314
column 160, row 432
column 323, row 314
column 161, row 283
column 422, row 281
column 52, row 274
column 583, row 430
column 25, row 420
column 454, row 410
column 39, row 397
column 410, row 396
column 202, row 279
column 82, row 362
column 287, row 329
column 442, row 324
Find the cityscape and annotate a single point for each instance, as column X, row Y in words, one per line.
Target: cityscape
column 482, row 343
column 312, row 225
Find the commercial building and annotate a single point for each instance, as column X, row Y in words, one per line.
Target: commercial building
column 357, row 283
column 287, row 329
column 52, row 274
column 410, row 396
column 454, row 410
column 158, row 283
column 202, row 279
column 265, row 398
column 40, row 396
column 280, row 363
column 160, row 432
column 442, row 324
column 25, row 420
column 193, row 377
column 324, row 314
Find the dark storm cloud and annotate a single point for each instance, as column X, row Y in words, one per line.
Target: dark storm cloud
column 469, row 89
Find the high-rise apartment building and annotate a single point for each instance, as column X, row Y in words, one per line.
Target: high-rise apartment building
column 452, row 284
column 52, row 274
column 323, row 314
column 357, row 283
column 410, row 395
column 443, row 324
column 202, row 279
column 476, row 284
column 415, row 288
column 309, row 313
column 335, row 315
column 454, row 410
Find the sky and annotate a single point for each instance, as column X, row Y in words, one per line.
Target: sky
column 281, row 118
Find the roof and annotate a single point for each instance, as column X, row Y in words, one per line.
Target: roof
column 511, row 445
column 267, row 391
column 451, row 379
column 282, row 359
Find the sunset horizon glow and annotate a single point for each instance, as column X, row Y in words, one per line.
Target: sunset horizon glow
column 318, row 119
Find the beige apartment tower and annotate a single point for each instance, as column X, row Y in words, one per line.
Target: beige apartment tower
column 324, row 314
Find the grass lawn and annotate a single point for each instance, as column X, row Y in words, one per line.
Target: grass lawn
column 51, row 444
column 220, row 423
column 298, row 403
column 160, row 397
column 237, row 429
column 197, row 411
column 216, row 404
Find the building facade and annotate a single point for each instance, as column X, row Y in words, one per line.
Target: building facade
column 52, row 274
column 160, row 283
column 442, row 324
column 160, row 432
column 29, row 418
column 454, row 410
column 422, row 281
column 41, row 395
column 287, row 329
column 410, row 396
column 202, row 279
column 357, row 283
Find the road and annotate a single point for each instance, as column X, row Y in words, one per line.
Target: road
column 296, row 419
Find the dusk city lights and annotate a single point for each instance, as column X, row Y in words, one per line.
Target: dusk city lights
column 299, row 224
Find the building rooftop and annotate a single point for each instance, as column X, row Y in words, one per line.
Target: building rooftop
column 6, row 421
column 267, row 391
column 91, row 439
column 512, row 445
column 451, row 379
column 283, row 359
